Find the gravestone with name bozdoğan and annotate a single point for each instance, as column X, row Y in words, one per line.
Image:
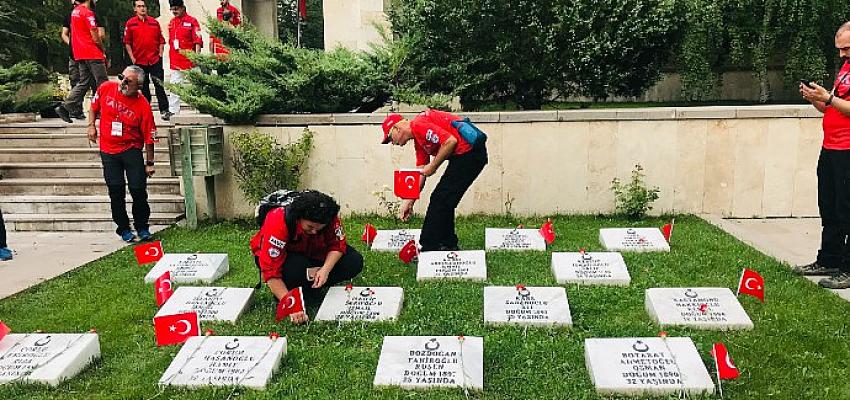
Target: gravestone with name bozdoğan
column 190, row 268
column 421, row 362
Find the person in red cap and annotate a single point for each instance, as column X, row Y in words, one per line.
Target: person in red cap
column 436, row 138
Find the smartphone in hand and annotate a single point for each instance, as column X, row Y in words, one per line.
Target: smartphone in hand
column 807, row 82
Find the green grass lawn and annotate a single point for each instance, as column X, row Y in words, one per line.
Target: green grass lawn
column 799, row 349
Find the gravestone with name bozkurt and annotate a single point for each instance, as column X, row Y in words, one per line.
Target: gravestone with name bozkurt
column 211, row 303
column 513, row 239
column 521, row 305
column 703, row 308
column 361, row 304
column 190, row 268
column 421, row 362
column 467, row 265
column 247, row 361
column 590, row 268
column 646, row 366
column 394, row 240
column 47, row 358
column 633, row 239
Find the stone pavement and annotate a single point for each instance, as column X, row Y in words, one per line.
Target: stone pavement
column 792, row 240
column 40, row 256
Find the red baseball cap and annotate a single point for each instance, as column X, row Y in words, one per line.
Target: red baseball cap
column 389, row 123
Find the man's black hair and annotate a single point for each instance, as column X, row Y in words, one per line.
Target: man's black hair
column 314, row 206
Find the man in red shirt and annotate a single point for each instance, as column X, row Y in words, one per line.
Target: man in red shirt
column 126, row 126
column 144, row 43
column 73, row 68
column 833, row 168
column 437, row 140
column 303, row 245
column 87, row 46
column 235, row 15
column 184, row 34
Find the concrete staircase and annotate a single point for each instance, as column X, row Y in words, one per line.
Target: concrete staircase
column 53, row 181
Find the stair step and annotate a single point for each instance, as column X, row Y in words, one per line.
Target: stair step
column 52, row 154
column 91, row 169
column 56, row 125
column 82, row 204
column 78, row 186
column 55, row 140
column 76, row 222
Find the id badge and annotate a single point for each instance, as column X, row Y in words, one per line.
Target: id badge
column 176, row 44
column 117, row 128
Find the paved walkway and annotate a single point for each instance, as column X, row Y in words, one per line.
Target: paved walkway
column 792, row 240
column 40, row 256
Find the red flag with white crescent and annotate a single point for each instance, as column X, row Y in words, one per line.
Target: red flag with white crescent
column 163, row 288
column 407, row 183
column 148, row 252
column 751, row 283
column 291, row 303
column 369, row 233
column 408, row 252
column 547, row 230
column 4, row 330
column 726, row 369
column 176, row 328
column 667, row 230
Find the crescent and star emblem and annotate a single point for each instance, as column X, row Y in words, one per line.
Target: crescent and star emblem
column 232, row 345
column 212, row 293
column 152, row 252
column 432, row 344
column 162, row 285
column 290, row 302
column 366, row 292
column 523, row 292
column 747, row 284
column 631, row 231
column 185, row 323
column 409, row 181
column 691, row 294
column 729, row 362
column 586, row 257
column 43, row 341
column 640, row 347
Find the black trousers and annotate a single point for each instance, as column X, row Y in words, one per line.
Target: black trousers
column 296, row 264
column 834, row 206
column 3, row 243
column 438, row 230
column 115, row 167
column 92, row 74
column 154, row 74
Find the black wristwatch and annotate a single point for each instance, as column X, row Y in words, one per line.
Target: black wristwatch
column 149, row 163
column 828, row 102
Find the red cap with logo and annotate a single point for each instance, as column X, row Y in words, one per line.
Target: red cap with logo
column 388, row 124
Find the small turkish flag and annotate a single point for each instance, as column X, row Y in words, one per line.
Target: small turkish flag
column 667, row 230
column 148, row 252
column 407, row 183
column 725, row 368
column 302, row 9
column 176, row 328
column 751, row 283
column 163, row 288
column 292, row 302
column 369, row 233
column 4, row 330
column 548, row 231
column 408, row 252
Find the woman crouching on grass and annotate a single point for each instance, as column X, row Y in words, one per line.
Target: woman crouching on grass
column 303, row 245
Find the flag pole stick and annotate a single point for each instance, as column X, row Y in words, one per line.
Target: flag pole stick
column 717, row 371
column 740, row 281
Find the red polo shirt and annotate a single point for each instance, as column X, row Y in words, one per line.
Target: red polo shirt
column 274, row 241
column 235, row 20
column 125, row 122
column 836, row 126
column 82, row 43
column 183, row 34
column 430, row 130
column 144, row 37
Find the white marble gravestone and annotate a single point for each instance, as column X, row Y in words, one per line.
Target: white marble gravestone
column 646, row 366
column 47, row 358
column 394, row 240
column 190, row 268
column 421, row 362
column 361, row 303
column 540, row 306
column 247, row 361
column 703, row 308
column 633, row 239
column 461, row 265
column 211, row 303
column 513, row 239
column 590, row 268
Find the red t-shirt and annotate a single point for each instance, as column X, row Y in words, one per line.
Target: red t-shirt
column 273, row 242
column 430, row 130
column 235, row 19
column 144, row 38
column 183, row 34
column 82, row 43
column 218, row 48
column 836, row 126
column 125, row 122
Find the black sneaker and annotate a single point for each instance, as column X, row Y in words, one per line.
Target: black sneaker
column 838, row 281
column 63, row 113
column 813, row 269
column 167, row 115
column 78, row 116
